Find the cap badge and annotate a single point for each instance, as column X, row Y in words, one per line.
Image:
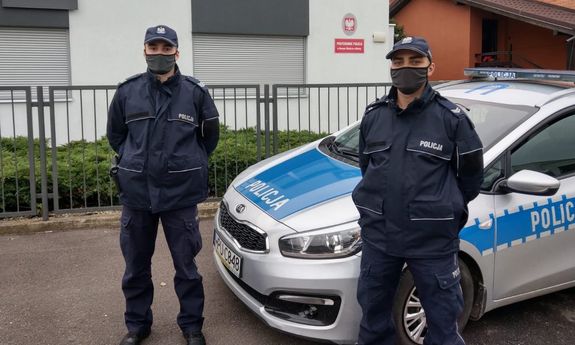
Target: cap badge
column 406, row 40
column 161, row 30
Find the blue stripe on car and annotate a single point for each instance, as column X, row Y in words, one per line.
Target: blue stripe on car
column 305, row 180
column 524, row 224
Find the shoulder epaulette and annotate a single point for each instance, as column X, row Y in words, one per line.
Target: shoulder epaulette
column 196, row 82
column 452, row 107
column 134, row 77
column 378, row 103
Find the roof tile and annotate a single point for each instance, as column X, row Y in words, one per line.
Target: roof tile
column 551, row 12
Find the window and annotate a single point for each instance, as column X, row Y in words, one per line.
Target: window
column 550, row 151
column 492, row 175
column 33, row 57
column 493, row 120
column 248, row 59
column 489, row 36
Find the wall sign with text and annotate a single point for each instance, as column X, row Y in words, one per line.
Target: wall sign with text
column 349, row 45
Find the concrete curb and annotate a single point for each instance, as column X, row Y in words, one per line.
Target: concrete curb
column 80, row 221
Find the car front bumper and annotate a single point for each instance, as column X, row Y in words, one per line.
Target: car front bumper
column 308, row 298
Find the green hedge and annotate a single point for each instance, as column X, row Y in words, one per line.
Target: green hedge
column 83, row 179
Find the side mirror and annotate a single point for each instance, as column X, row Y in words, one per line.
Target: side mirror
column 531, row 182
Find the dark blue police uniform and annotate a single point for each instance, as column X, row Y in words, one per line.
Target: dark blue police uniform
column 420, row 167
column 158, row 131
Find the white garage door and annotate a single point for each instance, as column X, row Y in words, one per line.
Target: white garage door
column 34, row 57
column 239, row 59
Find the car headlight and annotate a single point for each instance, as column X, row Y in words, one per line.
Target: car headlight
column 322, row 244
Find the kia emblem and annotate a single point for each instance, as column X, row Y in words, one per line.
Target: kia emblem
column 240, row 208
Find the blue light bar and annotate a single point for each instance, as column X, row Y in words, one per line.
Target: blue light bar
column 520, row 73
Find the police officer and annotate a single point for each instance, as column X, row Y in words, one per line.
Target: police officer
column 163, row 126
column 421, row 162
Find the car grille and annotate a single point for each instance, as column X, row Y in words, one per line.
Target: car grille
column 247, row 237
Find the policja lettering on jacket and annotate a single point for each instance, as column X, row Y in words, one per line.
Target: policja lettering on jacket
column 431, row 145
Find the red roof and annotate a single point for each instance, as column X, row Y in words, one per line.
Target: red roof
column 537, row 12
column 561, row 3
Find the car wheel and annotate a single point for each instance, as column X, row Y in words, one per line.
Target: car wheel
column 409, row 316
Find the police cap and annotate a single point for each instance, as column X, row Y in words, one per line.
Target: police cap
column 161, row 33
column 416, row 44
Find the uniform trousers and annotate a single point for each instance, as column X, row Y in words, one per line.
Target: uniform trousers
column 437, row 282
column 139, row 229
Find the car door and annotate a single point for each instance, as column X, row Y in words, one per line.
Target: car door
column 535, row 235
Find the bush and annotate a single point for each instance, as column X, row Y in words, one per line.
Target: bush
column 82, row 167
column 15, row 173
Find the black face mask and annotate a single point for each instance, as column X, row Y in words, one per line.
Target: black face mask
column 161, row 64
column 409, row 79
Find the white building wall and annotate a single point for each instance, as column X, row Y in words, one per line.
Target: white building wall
column 106, row 46
column 107, row 37
column 326, row 66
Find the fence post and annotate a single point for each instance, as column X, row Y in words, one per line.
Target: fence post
column 51, row 101
column 31, row 158
column 258, row 124
column 267, row 118
column 43, row 168
column 275, row 117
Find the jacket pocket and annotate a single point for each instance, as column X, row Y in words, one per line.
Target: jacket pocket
column 132, row 164
column 378, row 153
column 430, row 147
column 138, row 116
column 376, row 147
column 430, row 211
column 366, row 201
column 133, row 182
column 183, row 165
column 187, row 178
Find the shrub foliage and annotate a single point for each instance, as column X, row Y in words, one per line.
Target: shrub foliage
column 82, row 167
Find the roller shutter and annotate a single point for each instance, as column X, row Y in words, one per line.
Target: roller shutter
column 34, row 57
column 239, row 59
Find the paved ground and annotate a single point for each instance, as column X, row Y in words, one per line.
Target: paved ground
column 64, row 288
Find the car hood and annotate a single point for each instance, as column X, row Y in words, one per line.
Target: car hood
column 305, row 179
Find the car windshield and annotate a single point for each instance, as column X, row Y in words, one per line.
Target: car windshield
column 492, row 121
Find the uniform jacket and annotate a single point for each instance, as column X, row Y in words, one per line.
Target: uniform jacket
column 156, row 129
column 420, row 168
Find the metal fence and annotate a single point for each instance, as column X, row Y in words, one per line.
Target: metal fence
column 17, row 158
column 56, row 143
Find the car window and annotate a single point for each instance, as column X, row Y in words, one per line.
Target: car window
column 349, row 139
column 492, row 175
column 493, row 120
column 550, row 151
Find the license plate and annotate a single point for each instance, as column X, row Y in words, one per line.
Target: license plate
column 229, row 258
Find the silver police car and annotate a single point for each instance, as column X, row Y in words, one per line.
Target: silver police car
column 287, row 242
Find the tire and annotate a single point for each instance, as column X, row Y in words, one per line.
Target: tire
column 406, row 292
